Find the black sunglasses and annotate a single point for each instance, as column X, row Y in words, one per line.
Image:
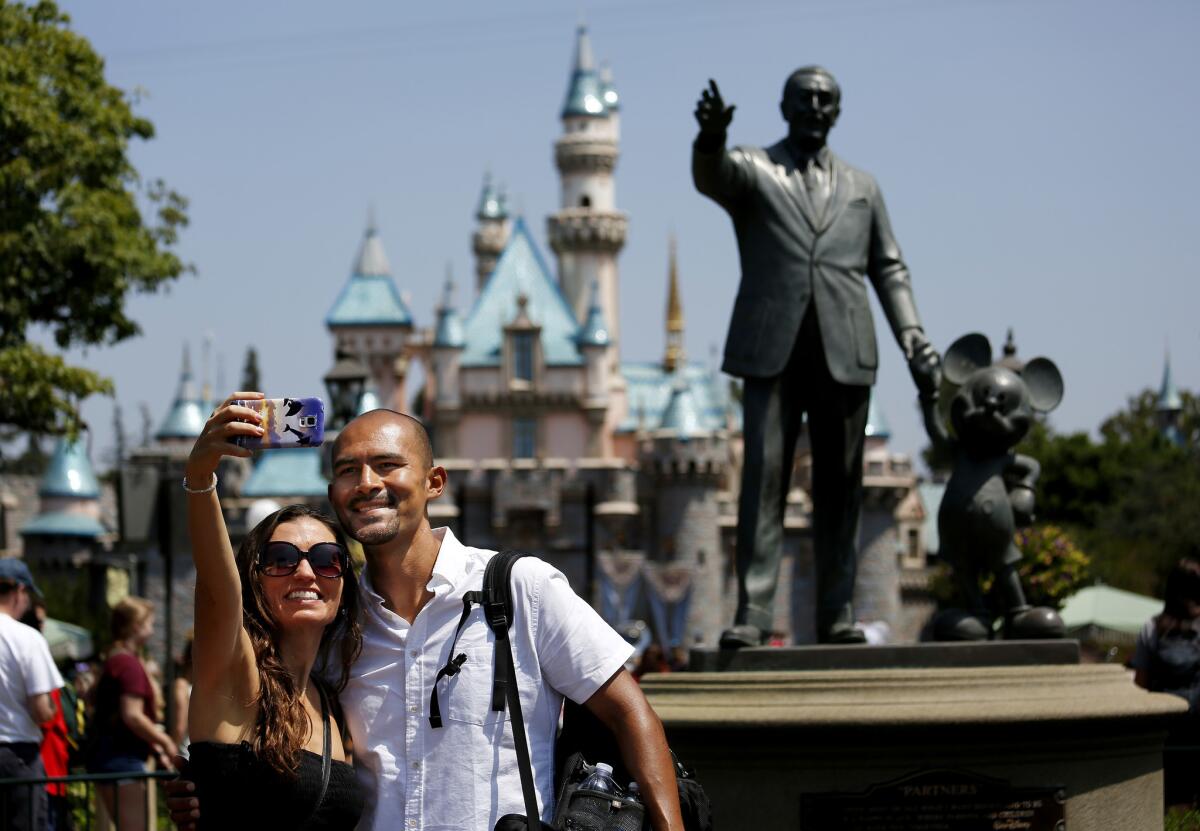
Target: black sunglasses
column 279, row 559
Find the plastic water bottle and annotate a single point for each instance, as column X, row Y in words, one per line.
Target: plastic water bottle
column 633, row 793
column 601, row 780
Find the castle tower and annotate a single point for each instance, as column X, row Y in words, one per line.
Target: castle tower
column 683, row 465
column 588, row 232
column 489, row 239
column 371, row 321
column 674, row 355
column 448, row 342
column 594, row 343
column 1170, row 404
column 185, row 420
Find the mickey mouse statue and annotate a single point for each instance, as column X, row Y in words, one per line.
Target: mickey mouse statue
column 990, row 492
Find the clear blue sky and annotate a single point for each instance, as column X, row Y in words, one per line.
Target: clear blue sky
column 1038, row 158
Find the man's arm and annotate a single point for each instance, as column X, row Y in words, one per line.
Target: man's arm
column 893, row 285
column 41, row 707
column 623, row 708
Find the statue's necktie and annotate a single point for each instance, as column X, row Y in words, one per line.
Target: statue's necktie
column 816, row 182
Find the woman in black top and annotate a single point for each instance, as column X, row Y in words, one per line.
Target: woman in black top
column 266, row 751
column 1167, row 657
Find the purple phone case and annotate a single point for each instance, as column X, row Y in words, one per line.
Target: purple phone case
column 287, row 422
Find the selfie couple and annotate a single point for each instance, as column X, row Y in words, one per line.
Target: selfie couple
column 294, row 653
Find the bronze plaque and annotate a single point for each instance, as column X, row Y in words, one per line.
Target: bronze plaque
column 936, row 800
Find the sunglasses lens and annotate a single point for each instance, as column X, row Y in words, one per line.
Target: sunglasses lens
column 326, row 559
column 279, row 558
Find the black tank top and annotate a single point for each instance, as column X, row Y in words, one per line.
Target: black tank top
column 238, row 790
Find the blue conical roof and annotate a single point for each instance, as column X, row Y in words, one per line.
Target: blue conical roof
column 369, row 297
column 449, row 332
column 682, row 416
column 585, row 94
column 185, row 419
column 877, row 425
column 1169, row 399
column 594, row 331
column 492, row 204
column 608, row 93
column 70, row 472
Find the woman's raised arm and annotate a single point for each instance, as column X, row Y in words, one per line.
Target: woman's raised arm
column 218, row 625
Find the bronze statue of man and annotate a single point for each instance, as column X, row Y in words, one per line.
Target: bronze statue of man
column 809, row 228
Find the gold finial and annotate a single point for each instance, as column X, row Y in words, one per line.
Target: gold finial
column 674, row 354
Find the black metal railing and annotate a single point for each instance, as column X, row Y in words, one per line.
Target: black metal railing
column 80, row 806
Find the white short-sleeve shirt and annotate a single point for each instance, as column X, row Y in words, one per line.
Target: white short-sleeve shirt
column 26, row 670
column 464, row 775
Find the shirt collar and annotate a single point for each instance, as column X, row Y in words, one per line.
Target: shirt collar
column 449, row 568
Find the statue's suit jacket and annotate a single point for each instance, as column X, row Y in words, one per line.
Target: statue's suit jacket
column 791, row 257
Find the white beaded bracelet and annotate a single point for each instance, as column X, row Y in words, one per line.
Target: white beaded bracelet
column 209, row 489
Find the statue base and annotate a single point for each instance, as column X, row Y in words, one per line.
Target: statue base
column 956, row 740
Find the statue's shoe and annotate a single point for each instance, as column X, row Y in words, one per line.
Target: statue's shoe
column 960, row 625
column 742, row 635
column 1038, row 623
column 842, row 633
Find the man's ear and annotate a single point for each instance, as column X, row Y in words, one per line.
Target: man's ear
column 435, row 482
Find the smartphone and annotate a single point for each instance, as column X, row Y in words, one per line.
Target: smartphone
column 286, row 422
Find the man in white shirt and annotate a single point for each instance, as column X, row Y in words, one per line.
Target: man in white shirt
column 27, row 677
column 464, row 776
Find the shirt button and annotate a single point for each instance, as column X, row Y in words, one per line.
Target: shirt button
column 416, row 765
column 415, row 653
column 413, row 708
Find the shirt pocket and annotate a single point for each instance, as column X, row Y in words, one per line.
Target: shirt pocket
column 469, row 691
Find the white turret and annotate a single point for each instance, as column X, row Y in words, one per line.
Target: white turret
column 588, row 232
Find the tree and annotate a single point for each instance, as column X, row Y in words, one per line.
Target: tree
column 1129, row 499
column 250, row 378
column 73, row 241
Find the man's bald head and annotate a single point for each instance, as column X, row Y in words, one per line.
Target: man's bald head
column 415, row 435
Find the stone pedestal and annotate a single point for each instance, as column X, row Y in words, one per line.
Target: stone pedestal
column 763, row 742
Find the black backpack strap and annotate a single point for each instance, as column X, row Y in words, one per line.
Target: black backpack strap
column 498, row 611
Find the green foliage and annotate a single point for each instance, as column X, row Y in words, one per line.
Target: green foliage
column 1130, row 498
column 1052, row 568
column 1181, row 819
column 73, row 240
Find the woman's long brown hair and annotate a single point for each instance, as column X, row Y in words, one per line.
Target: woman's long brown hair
column 283, row 725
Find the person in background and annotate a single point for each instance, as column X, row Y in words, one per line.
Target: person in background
column 1167, row 659
column 654, row 659
column 56, row 749
column 181, row 694
column 123, row 720
column 28, row 676
column 1167, row 656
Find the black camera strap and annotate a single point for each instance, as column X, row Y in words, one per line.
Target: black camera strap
column 496, row 600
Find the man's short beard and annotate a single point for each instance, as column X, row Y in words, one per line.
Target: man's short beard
column 375, row 535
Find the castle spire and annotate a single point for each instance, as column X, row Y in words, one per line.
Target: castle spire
column 585, row 95
column 1169, row 399
column 674, row 355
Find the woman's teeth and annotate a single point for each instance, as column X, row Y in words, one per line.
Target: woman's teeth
column 303, row 595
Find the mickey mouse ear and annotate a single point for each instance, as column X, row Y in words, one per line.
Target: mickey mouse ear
column 1045, row 384
column 965, row 355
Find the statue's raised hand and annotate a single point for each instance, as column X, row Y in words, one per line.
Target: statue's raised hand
column 711, row 113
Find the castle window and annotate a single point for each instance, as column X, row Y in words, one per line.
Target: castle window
column 585, row 201
column 524, row 438
column 523, row 356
